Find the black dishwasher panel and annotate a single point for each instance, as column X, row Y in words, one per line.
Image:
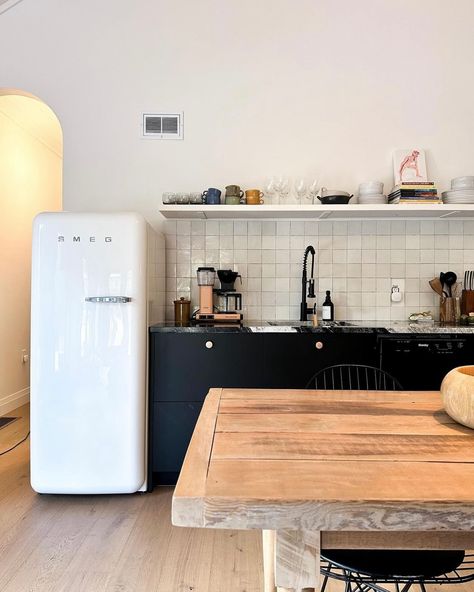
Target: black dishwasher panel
column 421, row 362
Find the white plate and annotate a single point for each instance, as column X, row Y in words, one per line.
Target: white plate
column 372, row 199
column 466, row 182
column 458, row 193
column 458, row 201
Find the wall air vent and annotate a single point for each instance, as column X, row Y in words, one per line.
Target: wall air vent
column 163, row 126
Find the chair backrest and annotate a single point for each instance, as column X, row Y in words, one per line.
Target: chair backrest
column 354, row 377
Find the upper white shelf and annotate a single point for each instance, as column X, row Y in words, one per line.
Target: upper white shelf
column 320, row 211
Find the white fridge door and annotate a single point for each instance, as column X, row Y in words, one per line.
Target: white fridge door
column 88, row 353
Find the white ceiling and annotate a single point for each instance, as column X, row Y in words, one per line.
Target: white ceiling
column 34, row 117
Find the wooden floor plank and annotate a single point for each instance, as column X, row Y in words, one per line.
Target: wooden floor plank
column 111, row 543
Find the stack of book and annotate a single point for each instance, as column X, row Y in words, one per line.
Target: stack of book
column 414, row 193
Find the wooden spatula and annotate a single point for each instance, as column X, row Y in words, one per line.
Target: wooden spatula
column 436, row 285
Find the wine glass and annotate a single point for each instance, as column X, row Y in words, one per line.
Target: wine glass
column 270, row 189
column 283, row 184
column 313, row 190
column 301, row 189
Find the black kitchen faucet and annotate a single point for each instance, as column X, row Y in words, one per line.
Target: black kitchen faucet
column 304, row 310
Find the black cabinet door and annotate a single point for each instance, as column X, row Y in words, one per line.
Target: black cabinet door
column 173, row 425
column 185, row 366
column 291, row 359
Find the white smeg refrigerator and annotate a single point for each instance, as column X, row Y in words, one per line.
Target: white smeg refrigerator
column 89, row 324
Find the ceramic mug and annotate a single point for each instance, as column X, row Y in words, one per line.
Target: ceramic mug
column 233, row 200
column 211, row 196
column 254, row 197
column 234, row 190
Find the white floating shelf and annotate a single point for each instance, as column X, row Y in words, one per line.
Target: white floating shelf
column 319, row 212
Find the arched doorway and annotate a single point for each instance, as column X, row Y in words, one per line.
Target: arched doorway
column 31, row 155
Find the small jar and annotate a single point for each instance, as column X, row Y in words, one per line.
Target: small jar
column 182, row 311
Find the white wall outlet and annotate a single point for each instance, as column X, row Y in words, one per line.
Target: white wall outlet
column 397, row 292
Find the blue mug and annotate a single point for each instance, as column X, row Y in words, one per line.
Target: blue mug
column 211, row 196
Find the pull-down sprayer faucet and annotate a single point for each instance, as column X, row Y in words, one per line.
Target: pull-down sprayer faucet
column 304, row 310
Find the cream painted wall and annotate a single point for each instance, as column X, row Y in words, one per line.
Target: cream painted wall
column 268, row 87
column 30, row 182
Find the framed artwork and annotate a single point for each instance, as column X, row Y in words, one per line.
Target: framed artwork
column 409, row 166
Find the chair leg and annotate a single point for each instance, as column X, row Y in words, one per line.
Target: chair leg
column 324, row 584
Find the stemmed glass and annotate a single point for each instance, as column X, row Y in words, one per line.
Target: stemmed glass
column 270, row 190
column 313, row 190
column 282, row 186
column 301, row 189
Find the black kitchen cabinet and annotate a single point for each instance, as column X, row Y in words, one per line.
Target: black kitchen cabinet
column 172, row 428
column 291, row 359
column 184, row 366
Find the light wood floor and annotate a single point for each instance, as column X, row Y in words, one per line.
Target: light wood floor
column 111, row 543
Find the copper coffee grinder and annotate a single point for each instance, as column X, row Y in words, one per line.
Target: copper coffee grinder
column 206, row 277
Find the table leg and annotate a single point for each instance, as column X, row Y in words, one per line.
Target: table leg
column 297, row 555
column 268, row 540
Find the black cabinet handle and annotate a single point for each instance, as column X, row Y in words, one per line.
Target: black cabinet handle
column 319, row 345
column 209, row 344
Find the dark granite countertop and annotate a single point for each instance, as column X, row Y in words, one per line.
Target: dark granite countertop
column 380, row 327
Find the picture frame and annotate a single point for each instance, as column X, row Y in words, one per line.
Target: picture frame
column 409, row 166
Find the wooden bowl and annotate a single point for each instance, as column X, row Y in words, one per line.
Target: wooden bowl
column 457, row 390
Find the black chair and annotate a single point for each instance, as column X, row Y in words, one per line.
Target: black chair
column 354, row 377
column 366, row 570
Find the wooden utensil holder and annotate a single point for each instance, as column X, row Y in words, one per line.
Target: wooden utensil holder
column 449, row 310
column 467, row 301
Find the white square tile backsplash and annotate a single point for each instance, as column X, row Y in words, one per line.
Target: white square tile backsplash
column 356, row 260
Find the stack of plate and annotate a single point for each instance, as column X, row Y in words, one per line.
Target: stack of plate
column 374, row 198
column 370, row 192
column 462, row 191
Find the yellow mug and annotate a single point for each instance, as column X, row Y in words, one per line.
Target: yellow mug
column 254, row 197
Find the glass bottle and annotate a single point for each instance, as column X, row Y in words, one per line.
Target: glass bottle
column 328, row 308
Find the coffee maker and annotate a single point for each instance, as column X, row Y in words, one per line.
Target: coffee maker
column 227, row 294
column 206, row 277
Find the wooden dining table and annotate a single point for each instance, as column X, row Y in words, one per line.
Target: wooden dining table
column 315, row 469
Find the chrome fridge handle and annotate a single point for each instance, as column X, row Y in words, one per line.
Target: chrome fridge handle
column 109, row 299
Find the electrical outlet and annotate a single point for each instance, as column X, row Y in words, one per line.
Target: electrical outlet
column 25, row 358
column 397, row 292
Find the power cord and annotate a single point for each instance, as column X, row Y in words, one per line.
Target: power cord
column 15, row 445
